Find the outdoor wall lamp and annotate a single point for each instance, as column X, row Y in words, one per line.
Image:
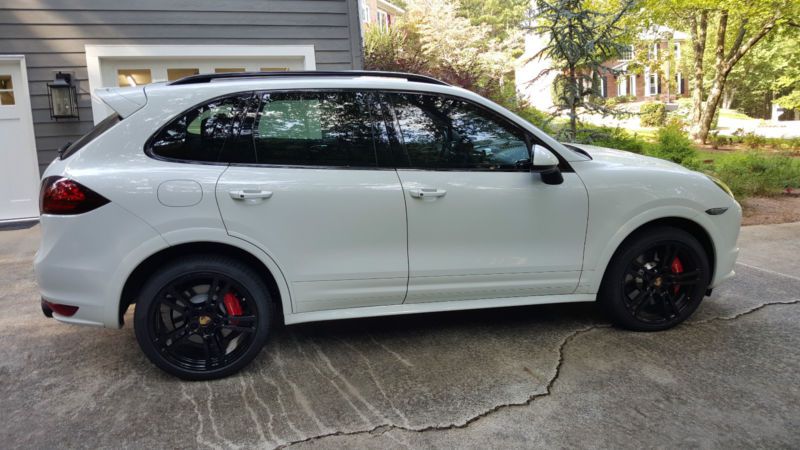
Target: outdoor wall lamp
column 63, row 97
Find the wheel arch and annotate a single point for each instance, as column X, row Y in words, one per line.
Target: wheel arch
column 148, row 266
column 682, row 223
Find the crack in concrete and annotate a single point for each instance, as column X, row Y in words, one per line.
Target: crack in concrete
column 385, row 428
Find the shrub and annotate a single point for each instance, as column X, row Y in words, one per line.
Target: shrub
column 540, row 119
column 717, row 141
column 616, row 138
column 652, row 114
column 753, row 140
column 673, row 145
column 753, row 173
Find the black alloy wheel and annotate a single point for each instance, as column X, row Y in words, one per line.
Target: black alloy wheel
column 656, row 280
column 203, row 318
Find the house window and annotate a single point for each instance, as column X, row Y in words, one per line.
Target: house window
column 677, row 51
column 632, row 86
column 177, row 74
column 679, row 83
column 652, row 52
column 627, row 53
column 603, row 92
column 365, row 13
column 651, row 84
column 133, row 77
column 383, row 19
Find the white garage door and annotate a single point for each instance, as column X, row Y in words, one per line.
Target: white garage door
column 19, row 170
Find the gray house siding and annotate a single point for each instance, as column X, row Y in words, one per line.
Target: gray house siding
column 52, row 35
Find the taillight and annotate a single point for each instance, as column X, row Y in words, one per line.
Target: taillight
column 61, row 195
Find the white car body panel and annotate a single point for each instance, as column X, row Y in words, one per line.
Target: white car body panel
column 493, row 235
column 154, row 204
column 339, row 235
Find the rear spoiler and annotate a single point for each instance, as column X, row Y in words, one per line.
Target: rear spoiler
column 123, row 100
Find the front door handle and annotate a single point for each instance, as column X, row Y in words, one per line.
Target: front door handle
column 246, row 194
column 424, row 193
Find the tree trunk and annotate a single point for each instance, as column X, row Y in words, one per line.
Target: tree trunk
column 699, row 31
column 573, row 104
column 720, row 75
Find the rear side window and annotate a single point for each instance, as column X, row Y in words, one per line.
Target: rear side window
column 315, row 129
column 98, row 129
column 220, row 130
column 442, row 132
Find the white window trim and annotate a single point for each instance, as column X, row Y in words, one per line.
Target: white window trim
column 648, row 84
column 677, row 52
column 94, row 53
column 679, row 79
column 622, row 85
column 365, row 12
column 603, row 86
column 380, row 20
column 632, row 85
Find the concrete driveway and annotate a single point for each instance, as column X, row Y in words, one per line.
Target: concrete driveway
column 554, row 376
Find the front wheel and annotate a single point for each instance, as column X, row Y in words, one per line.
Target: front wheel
column 655, row 280
column 203, row 317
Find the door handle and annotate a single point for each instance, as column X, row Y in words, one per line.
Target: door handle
column 246, row 194
column 424, row 193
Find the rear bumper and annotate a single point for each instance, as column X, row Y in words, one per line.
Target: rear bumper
column 84, row 261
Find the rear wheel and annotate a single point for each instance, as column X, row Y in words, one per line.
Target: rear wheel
column 656, row 280
column 203, row 317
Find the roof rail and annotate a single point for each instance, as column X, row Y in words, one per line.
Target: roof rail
column 208, row 77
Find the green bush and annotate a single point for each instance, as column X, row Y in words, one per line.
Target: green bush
column 652, row 114
column 673, row 145
column 616, row 138
column 753, row 173
column 753, row 140
column 540, row 119
column 718, row 141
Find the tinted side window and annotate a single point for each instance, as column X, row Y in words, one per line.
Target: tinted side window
column 315, row 129
column 203, row 133
column 446, row 133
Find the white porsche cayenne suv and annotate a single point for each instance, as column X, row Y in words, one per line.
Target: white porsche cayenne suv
column 219, row 203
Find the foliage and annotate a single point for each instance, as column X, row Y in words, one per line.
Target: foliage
column 754, row 173
column 673, row 145
column 753, row 140
column 725, row 30
column 503, row 16
column 716, row 140
column 652, row 114
column 578, row 40
column 431, row 38
column 616, row 138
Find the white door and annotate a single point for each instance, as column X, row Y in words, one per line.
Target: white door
column 319, row 194
column 19, row 169
column 480, row 225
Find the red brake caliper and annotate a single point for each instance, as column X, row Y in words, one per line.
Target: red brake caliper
column 677, row 267
column 232, row 304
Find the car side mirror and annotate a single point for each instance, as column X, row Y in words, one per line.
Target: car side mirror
column 545, row 164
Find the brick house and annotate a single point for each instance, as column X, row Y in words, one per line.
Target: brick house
column 626, row 76
column 379, row 12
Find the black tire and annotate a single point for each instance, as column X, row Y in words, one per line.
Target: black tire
column 188, row 331
column 645, row 289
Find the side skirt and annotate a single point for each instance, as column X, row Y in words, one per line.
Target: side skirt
column 418, row 308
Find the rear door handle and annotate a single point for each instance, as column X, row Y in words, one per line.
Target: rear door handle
column 245, row 194
column 424, row 193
